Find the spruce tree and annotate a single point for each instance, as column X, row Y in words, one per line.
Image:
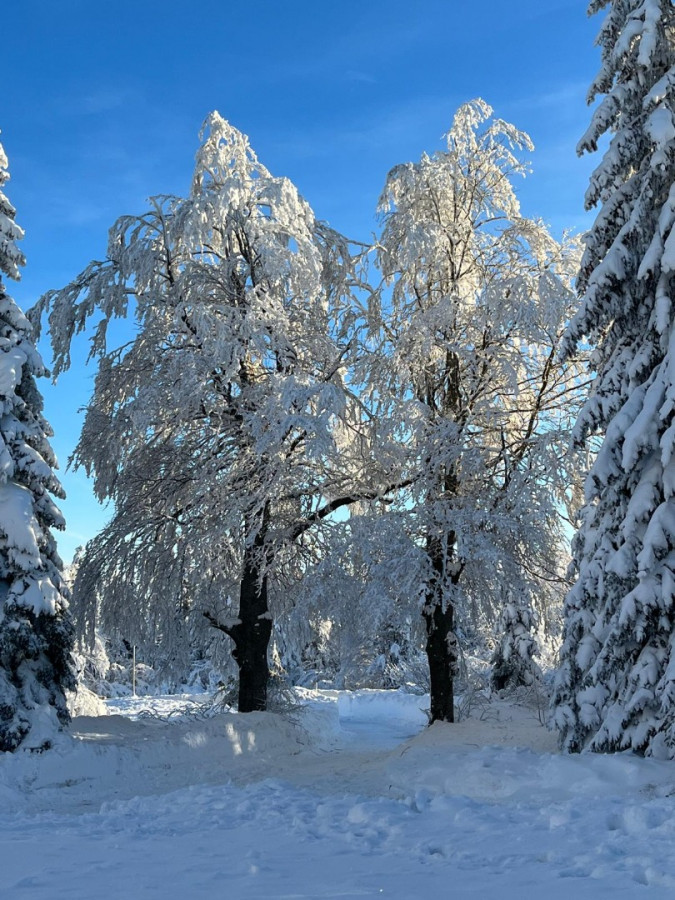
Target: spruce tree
column 616, row 686
column 513, row 663
column 35, row 633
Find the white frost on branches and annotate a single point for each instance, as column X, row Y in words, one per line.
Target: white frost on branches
column 469, row 339
column 225, row 426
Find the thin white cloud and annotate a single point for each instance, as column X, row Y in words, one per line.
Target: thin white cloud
column 360, row 77
column 570, row 95
column 92, row 103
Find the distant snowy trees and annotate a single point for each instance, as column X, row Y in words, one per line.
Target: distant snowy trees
column 469, row 343
column 35, row 633
column 616, row 686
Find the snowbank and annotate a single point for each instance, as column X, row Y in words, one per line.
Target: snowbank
column 330, row 802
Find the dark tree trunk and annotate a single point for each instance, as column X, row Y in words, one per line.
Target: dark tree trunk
column 439, row 612
column 441, row 643
column 499, row 679
column 252, row 634
column 251, row 639
column 253, row 630
column 442, row 655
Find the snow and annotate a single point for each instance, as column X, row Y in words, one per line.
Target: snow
column 12, row 361
column 18, row 522
column 348, row 796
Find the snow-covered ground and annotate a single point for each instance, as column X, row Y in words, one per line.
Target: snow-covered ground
column 350, row 796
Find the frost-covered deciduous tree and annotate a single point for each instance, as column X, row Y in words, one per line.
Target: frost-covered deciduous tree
column 352, row 619
column 35, row 633
column 222, row 430
column 470, row 333
column 616, row 686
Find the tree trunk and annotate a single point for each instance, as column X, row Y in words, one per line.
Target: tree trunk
column 442, row 655
column 439, row 612
column 252, row 634
column 441, row 643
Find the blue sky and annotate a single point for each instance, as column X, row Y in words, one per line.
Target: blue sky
column 102, row 102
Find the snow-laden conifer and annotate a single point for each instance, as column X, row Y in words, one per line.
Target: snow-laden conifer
column 616, row 686
column 35, row 634
column 513, row 662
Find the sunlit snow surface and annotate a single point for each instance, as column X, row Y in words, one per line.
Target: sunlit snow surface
column 349, row 797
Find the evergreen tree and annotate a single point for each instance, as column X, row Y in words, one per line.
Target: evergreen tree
column 513, row 662
column 35, row 633
column 616, row 685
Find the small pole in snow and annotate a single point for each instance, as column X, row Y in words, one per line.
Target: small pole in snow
column 133, row 671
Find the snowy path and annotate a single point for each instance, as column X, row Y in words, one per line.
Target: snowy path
column 340, row 803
